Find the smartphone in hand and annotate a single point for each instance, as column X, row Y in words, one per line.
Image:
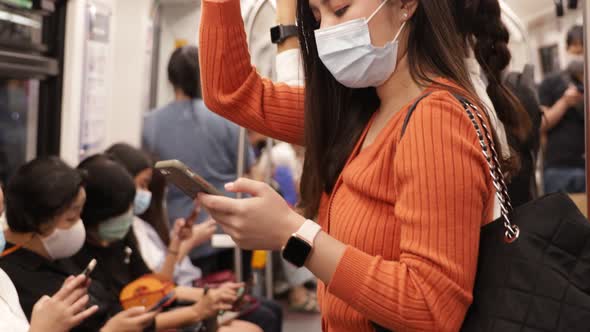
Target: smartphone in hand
column 88, row 270
column 160, row 304
column 185, row 179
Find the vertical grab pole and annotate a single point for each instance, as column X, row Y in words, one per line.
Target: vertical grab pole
column 586, row 17
column 268, row 277
column 240, row 173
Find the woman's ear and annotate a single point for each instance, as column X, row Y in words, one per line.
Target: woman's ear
column 408, row 9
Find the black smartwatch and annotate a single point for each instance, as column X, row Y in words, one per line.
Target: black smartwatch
column 279, row 33
column 299, row 246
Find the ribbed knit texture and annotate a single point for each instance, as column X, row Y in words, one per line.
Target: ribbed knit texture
column 409, row 210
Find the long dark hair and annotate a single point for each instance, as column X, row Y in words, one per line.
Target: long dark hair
column 335, row 115
column 156, row 215
column 480, row 22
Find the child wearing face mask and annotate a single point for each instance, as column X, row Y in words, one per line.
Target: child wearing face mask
column 108, row 216
column 49, row 313
column 43, row 204
column 171, row 260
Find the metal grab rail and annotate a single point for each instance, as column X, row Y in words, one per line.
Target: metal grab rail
column 238, row 268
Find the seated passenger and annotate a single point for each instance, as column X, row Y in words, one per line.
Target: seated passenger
column 171, row 260
column 108, row 215
column 268, row 315
column 55, row 313
column 44, row 200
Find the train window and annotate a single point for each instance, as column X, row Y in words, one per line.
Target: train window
column 18, row 124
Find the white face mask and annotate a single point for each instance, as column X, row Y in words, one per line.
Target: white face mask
column 346, row 50
column 64, row 243
column 574, row 58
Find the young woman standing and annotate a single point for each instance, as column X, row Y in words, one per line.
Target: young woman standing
column 400, row 218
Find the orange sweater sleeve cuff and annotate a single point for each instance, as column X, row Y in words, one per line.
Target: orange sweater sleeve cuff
column 349, row 279
column 221, row 13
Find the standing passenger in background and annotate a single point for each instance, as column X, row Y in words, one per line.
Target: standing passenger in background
column 207, row 143
column 562, row 100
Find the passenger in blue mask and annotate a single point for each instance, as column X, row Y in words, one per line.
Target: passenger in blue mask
column 108, row 216
column 165, row 254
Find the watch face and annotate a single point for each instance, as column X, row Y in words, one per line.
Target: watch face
column 296, row 251
column 275, row 34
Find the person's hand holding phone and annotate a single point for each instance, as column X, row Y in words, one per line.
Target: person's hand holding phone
column 209, row 305
column 131, row 320
column 202, row 233
column 64, row 310
column 192, row 235
column 183, row 228
column 572, row 96
column 227, row 293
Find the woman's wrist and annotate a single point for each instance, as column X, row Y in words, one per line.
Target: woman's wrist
column 295, row 221
column 198, row 314
column 174, row 245
column 286, row 12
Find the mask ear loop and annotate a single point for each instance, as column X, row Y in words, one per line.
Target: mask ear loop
column 399, row 31
column 377, row 11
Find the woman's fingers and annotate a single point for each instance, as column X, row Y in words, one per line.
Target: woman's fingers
column 178, row 224
column 223, row 306
column 229, row 297
column 246, row 186
column 219, row 204
column 134, row 311
column 69, row 286
column 145, row 319
column 75, row 296
column 42, row 301
column 82, row 316
column 80, row 304
column 234, row 285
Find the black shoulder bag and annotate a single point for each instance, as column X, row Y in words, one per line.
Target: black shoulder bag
column 533, row 271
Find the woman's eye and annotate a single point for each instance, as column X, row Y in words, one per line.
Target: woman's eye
column 340, row 12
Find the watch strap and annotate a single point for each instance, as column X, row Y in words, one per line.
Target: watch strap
column 281, row 32
column 308, row 231
column 288, row 31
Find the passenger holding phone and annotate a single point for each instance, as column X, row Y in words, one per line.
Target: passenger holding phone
column 108, row 216
column 399, row 219
column 56, row 313
column 44, row 200
column 562, row 99
column 267, row 315
column 171, row 261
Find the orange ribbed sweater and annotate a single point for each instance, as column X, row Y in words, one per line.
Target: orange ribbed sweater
column 410, row 211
